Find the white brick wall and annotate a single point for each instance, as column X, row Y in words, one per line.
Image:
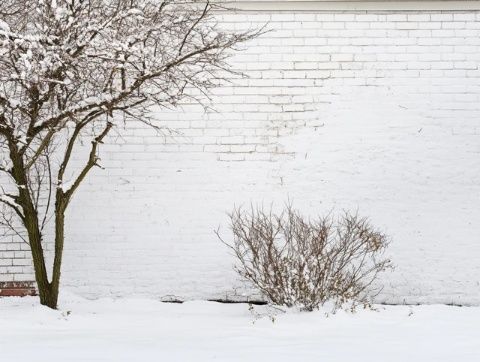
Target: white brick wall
column 371, row 110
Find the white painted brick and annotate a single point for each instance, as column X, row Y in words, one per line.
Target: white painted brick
column 418, row 17
column 362, row 25
column 430, row 25
column 233, row 157
column 466, row 65
column 441, row 17
column 325, row 17
column 333, row 25
column 367, row 17
column 344, row 17
column 304, row 17
column 397, row 17
column 453, row 25
column 406, row 25
column 342, row 57
column 217, row 148
column 370, row 110
column 242, row 148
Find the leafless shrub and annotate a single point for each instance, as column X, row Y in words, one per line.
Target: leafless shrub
column 305, row 263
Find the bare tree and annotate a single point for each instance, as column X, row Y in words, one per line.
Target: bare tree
column 298, row 262
column 71, row 71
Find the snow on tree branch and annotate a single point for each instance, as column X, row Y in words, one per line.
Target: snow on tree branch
column 70, row 71
column 71, row 56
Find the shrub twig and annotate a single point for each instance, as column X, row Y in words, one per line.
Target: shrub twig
column 298, row 262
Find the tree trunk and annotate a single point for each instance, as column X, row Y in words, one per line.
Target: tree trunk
column 59, row 241
column 41, row 276
column 48, row 296
column 48, row 291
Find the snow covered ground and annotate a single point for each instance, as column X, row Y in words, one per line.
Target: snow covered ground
column 147, row 330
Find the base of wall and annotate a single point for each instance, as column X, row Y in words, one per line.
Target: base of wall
column 17, row 289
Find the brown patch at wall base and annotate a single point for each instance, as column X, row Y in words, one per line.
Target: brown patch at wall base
column 17, row 289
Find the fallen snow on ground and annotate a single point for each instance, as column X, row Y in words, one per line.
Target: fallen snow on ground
column 147, row 330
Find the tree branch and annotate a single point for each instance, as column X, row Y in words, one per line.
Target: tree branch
column 92, row 161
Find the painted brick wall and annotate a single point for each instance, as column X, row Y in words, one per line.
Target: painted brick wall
column 375, row 111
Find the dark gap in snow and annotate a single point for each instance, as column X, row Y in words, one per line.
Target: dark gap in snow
column 418, row 304
column 455, row 305
column 223, row 301
column 229, row 301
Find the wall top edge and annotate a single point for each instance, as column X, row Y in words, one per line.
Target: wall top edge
column 354, row 5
